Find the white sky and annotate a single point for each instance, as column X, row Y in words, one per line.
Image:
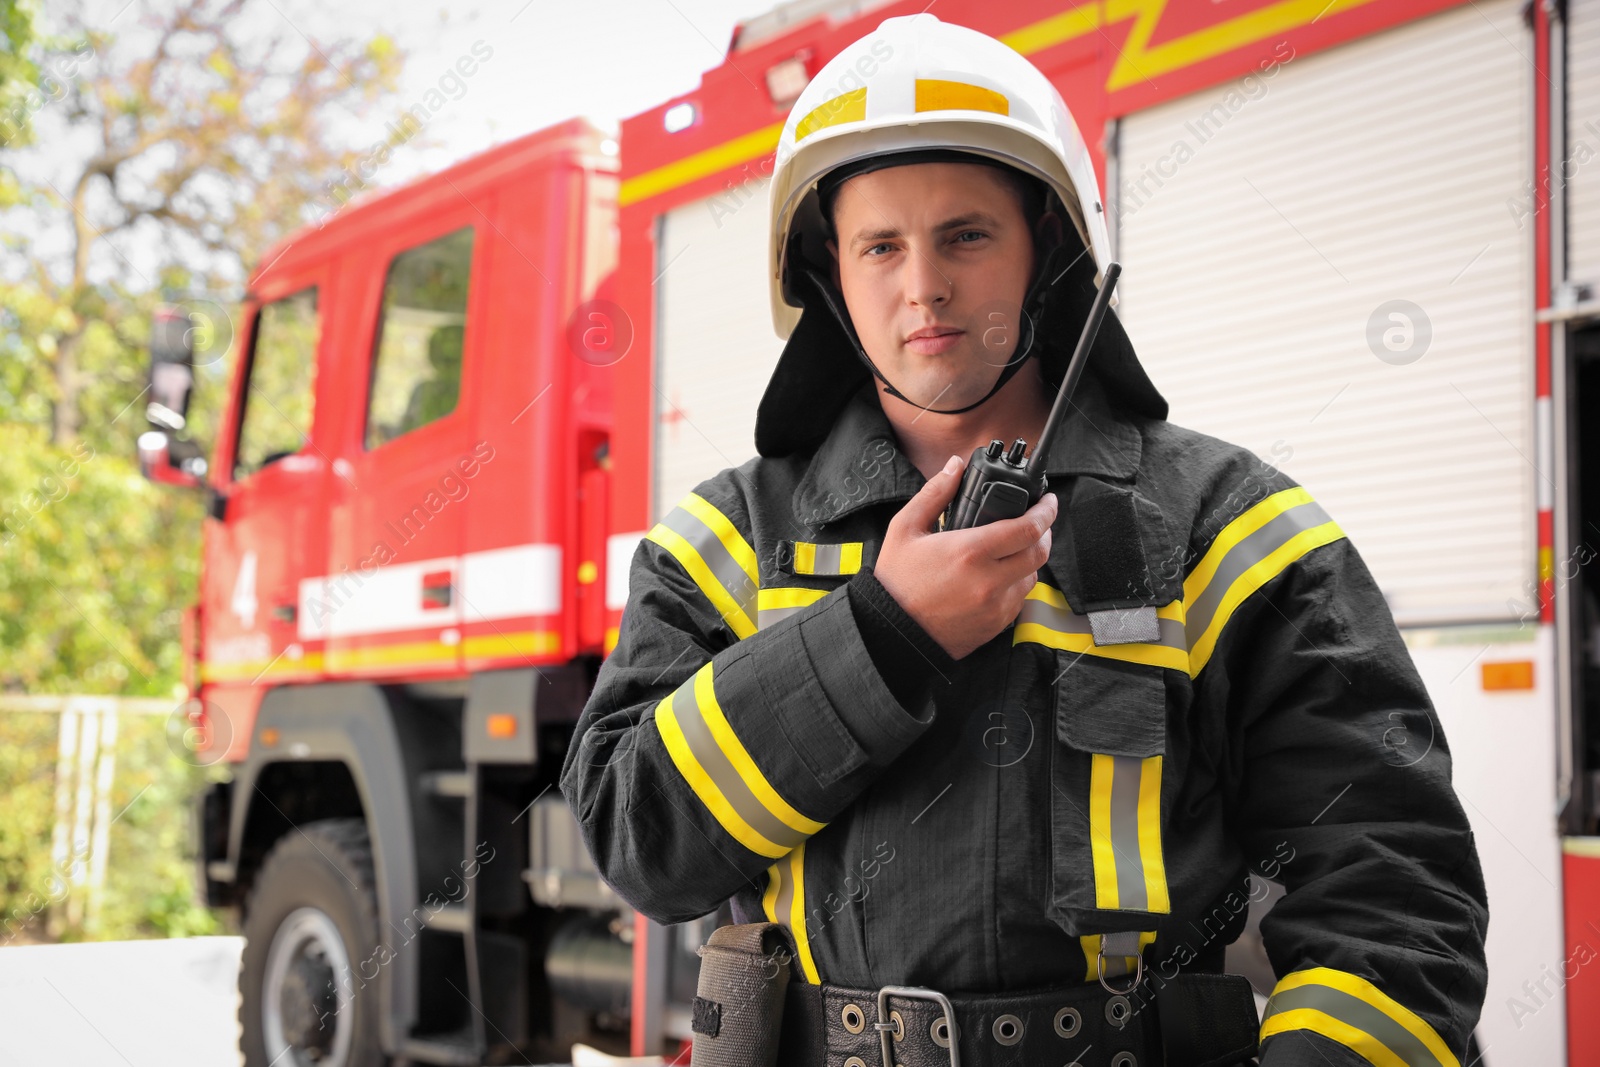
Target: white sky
column 602, row 59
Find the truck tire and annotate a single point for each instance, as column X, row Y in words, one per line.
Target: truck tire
column 306, row 994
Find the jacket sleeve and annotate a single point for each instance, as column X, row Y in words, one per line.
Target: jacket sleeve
column 1343, row 796
column 709, row 749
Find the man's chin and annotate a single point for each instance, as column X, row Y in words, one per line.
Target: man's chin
column 941, row 395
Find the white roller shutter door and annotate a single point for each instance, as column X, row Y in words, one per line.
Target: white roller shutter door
column 1583, row 142
column 1265, row 234
column 715, row 348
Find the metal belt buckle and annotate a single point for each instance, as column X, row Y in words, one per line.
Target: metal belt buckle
column 885, row 1027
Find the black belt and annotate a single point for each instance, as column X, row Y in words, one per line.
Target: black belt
column 1192, row 1020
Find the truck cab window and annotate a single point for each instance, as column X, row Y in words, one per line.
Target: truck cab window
column 416, row 374
column 278, row 394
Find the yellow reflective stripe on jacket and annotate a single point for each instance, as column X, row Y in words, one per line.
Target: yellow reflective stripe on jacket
column 721, row 772
column 1047, row 620
column 1116, row 966
column 1250, row 551
column 1357, row 1014
column 1125, row 833
column 784, row 902
column 836, row 559
column 775, row 605
column 718, row 558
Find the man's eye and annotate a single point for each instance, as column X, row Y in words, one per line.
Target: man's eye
column 884, row 246
column 975, row 235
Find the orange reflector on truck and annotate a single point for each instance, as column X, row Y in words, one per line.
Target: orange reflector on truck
column 1511, row 674
column 502, row 726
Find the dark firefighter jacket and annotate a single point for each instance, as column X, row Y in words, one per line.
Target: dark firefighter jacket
column 772, row 728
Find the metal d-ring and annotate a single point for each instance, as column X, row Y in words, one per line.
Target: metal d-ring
column 885, row 1027
column 1100, row 966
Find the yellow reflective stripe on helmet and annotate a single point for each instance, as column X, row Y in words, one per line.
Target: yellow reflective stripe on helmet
column 846, row 107
column 1250, row 551
column 1116, row 966
column 720, row 771
column 775, row 605
column 934, row 94
column 784, row 903
column 716, row 556
column 1125, row 833
column 1047, row 619
column 837, row 559
column 1352, row 1011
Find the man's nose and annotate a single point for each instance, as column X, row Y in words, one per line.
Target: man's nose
column 926, row 284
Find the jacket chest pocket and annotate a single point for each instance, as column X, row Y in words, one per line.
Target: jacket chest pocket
column 1107, row 811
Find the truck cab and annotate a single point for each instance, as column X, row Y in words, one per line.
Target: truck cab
column 402, row 611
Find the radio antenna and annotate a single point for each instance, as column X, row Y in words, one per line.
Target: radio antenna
column 1069, row 380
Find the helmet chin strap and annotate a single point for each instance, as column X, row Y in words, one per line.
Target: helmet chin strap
column 1031, row 306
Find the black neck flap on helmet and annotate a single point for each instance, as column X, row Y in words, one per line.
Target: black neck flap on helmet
column 824, row 364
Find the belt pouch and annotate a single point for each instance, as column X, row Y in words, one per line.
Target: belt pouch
column 738, row 1006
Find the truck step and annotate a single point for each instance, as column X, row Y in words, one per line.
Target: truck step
column 452, row 917
column 458, row 1049
column 447, row 783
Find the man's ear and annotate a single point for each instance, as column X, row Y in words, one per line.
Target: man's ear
column 1048, row 234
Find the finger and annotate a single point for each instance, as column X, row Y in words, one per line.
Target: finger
column 1028, row 559
column 1007, row 537
column 922, row 511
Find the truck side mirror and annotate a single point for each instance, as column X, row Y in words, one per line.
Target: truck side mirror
column 165, row 454
column 171, row 369
column 171, row 461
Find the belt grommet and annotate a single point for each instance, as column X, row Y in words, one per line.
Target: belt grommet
column 1007, row 1030
column 854, row 1019
column 940, row 1032
column 899, row 1025
column 1118, row 1011
column 1068, row 1022
column 855, row 1061
column 1124, row 1059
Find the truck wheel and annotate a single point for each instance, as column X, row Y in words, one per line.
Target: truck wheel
column 311, row 933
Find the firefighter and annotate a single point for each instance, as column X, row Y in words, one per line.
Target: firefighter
column 1015, row 778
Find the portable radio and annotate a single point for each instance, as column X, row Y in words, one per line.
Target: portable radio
column 997, row 484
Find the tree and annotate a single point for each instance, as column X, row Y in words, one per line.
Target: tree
column 19, row 79
column 162, row 153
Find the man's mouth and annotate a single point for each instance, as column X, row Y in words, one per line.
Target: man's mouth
column 932, row 340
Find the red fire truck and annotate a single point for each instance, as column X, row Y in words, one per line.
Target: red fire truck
column 1361, row 238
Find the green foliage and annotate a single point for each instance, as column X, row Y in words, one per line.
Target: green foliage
column 156, row 793
column 27, row 780
column 18, row 76
column 96, row 566
column 149, row 888
column 190, row 152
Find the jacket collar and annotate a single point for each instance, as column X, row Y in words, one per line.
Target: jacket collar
column 853, row 469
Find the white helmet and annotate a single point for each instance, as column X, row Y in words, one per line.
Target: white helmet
column 916, row 83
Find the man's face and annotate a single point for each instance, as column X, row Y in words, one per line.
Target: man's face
column 934, row 260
